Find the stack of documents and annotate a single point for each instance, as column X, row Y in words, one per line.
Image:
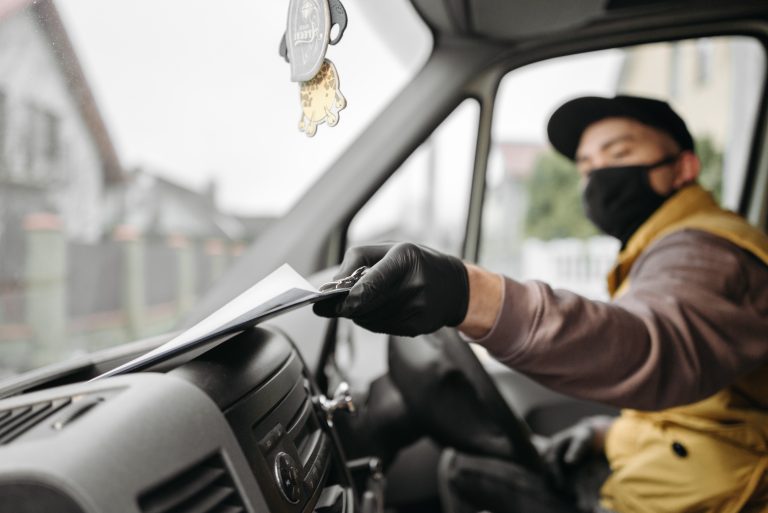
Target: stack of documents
column 283, row 290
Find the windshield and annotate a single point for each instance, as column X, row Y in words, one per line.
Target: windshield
column 144, row 145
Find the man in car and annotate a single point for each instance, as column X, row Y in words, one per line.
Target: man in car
column 682, row 348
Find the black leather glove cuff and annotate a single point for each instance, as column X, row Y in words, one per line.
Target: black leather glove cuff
column 461, row 277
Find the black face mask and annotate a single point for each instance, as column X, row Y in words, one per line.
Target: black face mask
column 619, row 199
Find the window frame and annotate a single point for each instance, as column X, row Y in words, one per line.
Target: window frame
column 752, row 203
column 425, row 141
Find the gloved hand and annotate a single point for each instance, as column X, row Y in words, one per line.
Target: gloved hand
column 408, row 290
column 572, row 446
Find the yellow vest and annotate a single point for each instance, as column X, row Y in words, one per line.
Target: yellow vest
column 710, row 456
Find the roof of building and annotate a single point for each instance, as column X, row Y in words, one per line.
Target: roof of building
column 158, row 206
column 46, row 14
column 519, row 157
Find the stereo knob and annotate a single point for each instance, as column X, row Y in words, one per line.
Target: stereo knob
column 288, row 477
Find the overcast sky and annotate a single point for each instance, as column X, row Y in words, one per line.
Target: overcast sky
column 193, row 89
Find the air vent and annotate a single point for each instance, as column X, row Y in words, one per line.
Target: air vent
column 17, row 421
column 204, row 488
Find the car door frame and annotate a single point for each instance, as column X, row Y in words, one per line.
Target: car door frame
column 484, row 86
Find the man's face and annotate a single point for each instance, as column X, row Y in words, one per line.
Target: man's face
column 613, row 142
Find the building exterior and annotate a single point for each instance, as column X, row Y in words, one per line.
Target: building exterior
column 56, row 159
column 56, row 155
column 511, row 164
column 158, row 207
column 712, row 83
column 90, row 255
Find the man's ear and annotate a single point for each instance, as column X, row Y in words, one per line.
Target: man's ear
column 687, row 169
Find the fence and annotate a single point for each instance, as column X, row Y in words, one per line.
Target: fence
column 579, row 265
column 59, row 298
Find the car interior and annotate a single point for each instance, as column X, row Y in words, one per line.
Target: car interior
column 304, row 414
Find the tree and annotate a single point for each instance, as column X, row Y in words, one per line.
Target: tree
column 554, row 197
column 711, row 177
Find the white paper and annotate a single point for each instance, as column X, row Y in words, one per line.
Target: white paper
column 278, row 281
column 281, row 281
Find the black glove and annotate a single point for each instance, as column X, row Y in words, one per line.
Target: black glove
column 572, row 446
column 408, row 290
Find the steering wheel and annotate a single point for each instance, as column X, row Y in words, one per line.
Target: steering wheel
column 450, row 394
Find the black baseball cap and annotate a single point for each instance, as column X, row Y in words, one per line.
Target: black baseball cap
column 570, row 120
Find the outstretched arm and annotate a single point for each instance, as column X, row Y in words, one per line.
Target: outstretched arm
column 694, row 319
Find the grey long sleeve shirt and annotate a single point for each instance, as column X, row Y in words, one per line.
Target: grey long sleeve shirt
column 694, row 319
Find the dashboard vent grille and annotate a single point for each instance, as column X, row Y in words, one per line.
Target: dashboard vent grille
column 17, row 421
column 206, row 487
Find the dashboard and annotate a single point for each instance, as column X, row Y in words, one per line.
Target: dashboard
column 240, row 428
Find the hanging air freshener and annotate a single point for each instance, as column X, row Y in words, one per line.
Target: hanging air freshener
column 304, row 45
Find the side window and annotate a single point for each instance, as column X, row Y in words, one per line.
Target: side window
column 425, row 201
column 3, row 124
column 533, row 222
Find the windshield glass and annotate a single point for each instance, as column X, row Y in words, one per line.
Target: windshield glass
column 144, row 145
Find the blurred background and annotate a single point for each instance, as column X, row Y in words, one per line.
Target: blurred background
column 144, row 145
